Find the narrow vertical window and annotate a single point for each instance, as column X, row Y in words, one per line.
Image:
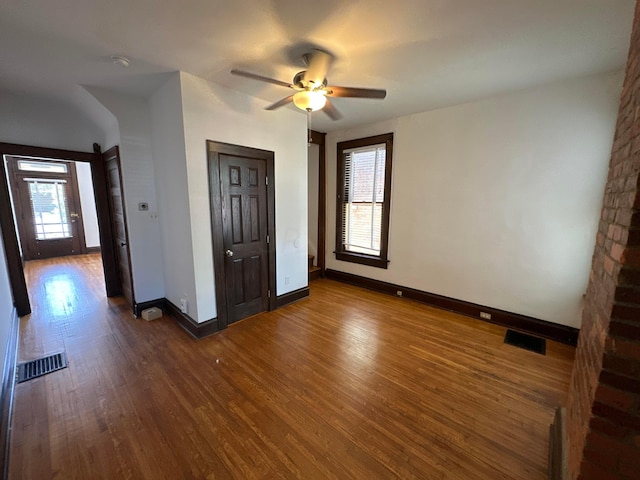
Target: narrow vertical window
column 363, row 193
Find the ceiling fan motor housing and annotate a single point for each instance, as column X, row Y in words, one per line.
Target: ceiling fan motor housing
column 298, row 81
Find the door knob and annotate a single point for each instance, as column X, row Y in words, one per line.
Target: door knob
column 229, row 253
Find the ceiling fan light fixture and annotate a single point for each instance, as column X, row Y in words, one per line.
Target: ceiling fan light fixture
column 311, row 88
column 310, row 100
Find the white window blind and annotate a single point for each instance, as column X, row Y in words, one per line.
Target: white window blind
column 363, row 198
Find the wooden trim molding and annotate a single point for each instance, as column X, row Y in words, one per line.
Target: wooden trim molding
column 316, row 137
column 319, row 138
column 271, row 226
column 315, row 274
column 8, row 387
column 113, row 154
column 558, row 448
column 139, row 307
column 195, row 329
column 10, row 239
column 188, row 324
column 94, row 249
column 291, row 297
column 204, row 329
column 523, row 323
column 27, row 151
column 103, row 210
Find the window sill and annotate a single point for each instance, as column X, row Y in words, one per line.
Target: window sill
column 362, row 259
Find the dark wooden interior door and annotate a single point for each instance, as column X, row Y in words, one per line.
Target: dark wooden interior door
column 119, row 221
column 244, row 230
column 47, row 206
column 242, row 196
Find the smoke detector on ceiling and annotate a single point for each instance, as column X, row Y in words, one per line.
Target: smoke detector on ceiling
column 120, row 60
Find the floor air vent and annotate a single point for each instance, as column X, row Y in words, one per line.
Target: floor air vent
column 41, row 366
column 528, row 342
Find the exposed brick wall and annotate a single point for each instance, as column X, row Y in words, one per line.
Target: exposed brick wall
column 603, row 411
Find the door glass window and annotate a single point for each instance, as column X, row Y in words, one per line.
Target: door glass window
column 35, row 166
column 48, row 199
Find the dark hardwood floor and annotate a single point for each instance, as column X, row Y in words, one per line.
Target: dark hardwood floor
column 346, row 384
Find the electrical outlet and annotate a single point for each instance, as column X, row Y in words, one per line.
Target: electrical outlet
column 399, row 293
column 286, row 280
column 485, row 315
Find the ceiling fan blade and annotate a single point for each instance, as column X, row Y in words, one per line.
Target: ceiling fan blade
column 317, row 67
column 280, row 103
column 355, row 92
column 331, row 110
column 260, row 78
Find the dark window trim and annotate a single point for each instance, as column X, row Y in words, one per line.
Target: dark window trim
column 380, row 261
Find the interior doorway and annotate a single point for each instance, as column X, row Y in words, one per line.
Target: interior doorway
column 48, row 207
column 59, row 223
column 316, row 204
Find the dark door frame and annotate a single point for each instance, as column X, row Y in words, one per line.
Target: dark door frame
column 26, row 229
column 213, row 162
column 318, row 138
column 114, row 154
column 10, row 238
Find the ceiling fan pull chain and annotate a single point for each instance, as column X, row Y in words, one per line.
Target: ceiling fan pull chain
column 308, row 127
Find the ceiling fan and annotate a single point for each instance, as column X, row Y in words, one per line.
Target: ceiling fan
column 311, row 86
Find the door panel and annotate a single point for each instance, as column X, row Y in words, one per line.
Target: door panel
column 119, row 222
column 244, row 230
column 242, row 198
column 47, row 205
column 53, row 229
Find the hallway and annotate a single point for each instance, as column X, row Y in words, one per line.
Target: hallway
column 346, row 384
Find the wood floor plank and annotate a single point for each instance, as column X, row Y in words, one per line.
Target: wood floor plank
column 348, row 383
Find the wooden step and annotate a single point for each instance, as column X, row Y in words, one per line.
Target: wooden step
column 314, row 273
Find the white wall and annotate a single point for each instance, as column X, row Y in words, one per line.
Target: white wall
column 88, row 205
column 212, row 112
column 74, row 125
column 312, row 195
column 6, row 304
column 132, row 114
column 170, row 166
column 496, row 202
column 42, row 122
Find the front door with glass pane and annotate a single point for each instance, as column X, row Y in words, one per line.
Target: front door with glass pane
column 46, row 206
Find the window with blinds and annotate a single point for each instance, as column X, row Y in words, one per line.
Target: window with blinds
column 364, row 180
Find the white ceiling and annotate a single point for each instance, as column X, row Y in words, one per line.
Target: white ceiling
column 426, row 53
